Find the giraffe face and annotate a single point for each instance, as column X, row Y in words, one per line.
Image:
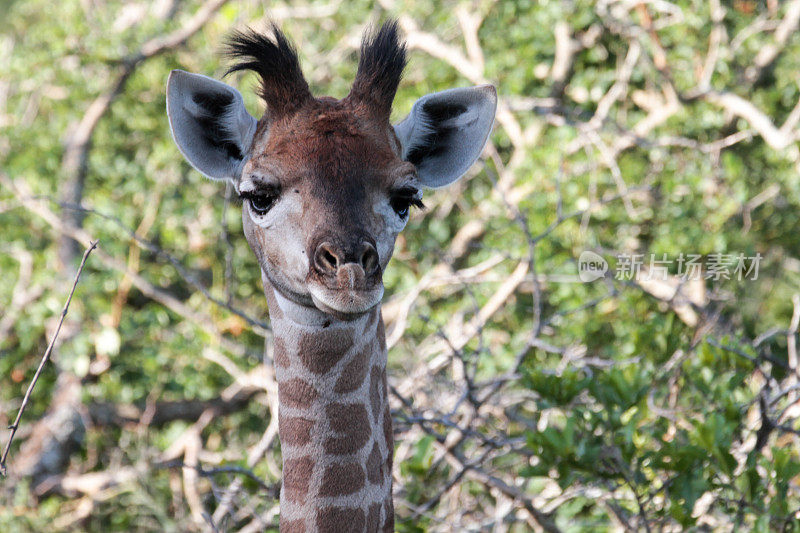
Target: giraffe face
column 325, row 194
column 326, row 184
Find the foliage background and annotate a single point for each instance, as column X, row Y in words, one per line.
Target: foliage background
column 520, row 402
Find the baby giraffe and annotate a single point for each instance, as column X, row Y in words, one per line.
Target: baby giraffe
column 327, row 186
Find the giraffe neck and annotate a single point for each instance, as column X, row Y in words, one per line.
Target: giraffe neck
column 335, row 427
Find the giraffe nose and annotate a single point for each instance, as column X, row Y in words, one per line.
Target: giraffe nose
column 329, row 258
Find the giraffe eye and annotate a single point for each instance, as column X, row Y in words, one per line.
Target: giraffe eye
column 401, row 200
column 261, row 201
column 400, row 206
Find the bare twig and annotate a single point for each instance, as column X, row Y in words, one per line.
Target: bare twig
column 775, row 137
column 46, row 357
column 109, row 414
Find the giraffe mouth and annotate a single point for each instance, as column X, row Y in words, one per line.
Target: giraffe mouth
column 345, row 304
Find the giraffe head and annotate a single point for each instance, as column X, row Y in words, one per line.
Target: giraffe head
column 327, row 184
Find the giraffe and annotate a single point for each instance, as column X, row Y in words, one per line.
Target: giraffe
column 327, row 185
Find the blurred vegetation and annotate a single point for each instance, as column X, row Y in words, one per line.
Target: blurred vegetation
column 612, row 409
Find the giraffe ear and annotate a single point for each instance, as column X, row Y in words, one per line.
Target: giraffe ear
column 446, row 131
column 209, row 123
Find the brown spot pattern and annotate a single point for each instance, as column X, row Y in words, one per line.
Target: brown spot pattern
column 352, row 422
column 381, row 333
column 319, row 352
column 340, row 520
column 388, row 435
column 375, row 391
column 293, row 526
column 388, row 524
column 354, row 372
column 296, row 475
column 369, row 328
column 374, row 465
column 295, row 431
column 342, row 479
column 280, row 355
column 373, row 518
column 296, row 393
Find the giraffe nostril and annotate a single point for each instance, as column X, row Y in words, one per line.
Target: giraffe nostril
column 329, row 259
column 369, row 259
column 326, row 259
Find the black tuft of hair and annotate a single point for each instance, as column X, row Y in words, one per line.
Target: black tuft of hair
column 380, row 67
column 275, row 60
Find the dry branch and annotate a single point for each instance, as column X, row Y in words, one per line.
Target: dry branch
column 45, row 358
column 164, row 412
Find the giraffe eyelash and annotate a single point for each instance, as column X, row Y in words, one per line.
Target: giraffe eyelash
column 409, row 195
column 268, row 190
column 403, row 199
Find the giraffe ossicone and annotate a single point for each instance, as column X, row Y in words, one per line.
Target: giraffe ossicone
column 327, row 185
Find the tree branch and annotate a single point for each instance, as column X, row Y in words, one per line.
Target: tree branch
column 46, row 357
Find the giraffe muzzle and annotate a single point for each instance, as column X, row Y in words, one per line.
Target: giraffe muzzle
column 336, row 262
column 345, row 304
column 345, row 282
